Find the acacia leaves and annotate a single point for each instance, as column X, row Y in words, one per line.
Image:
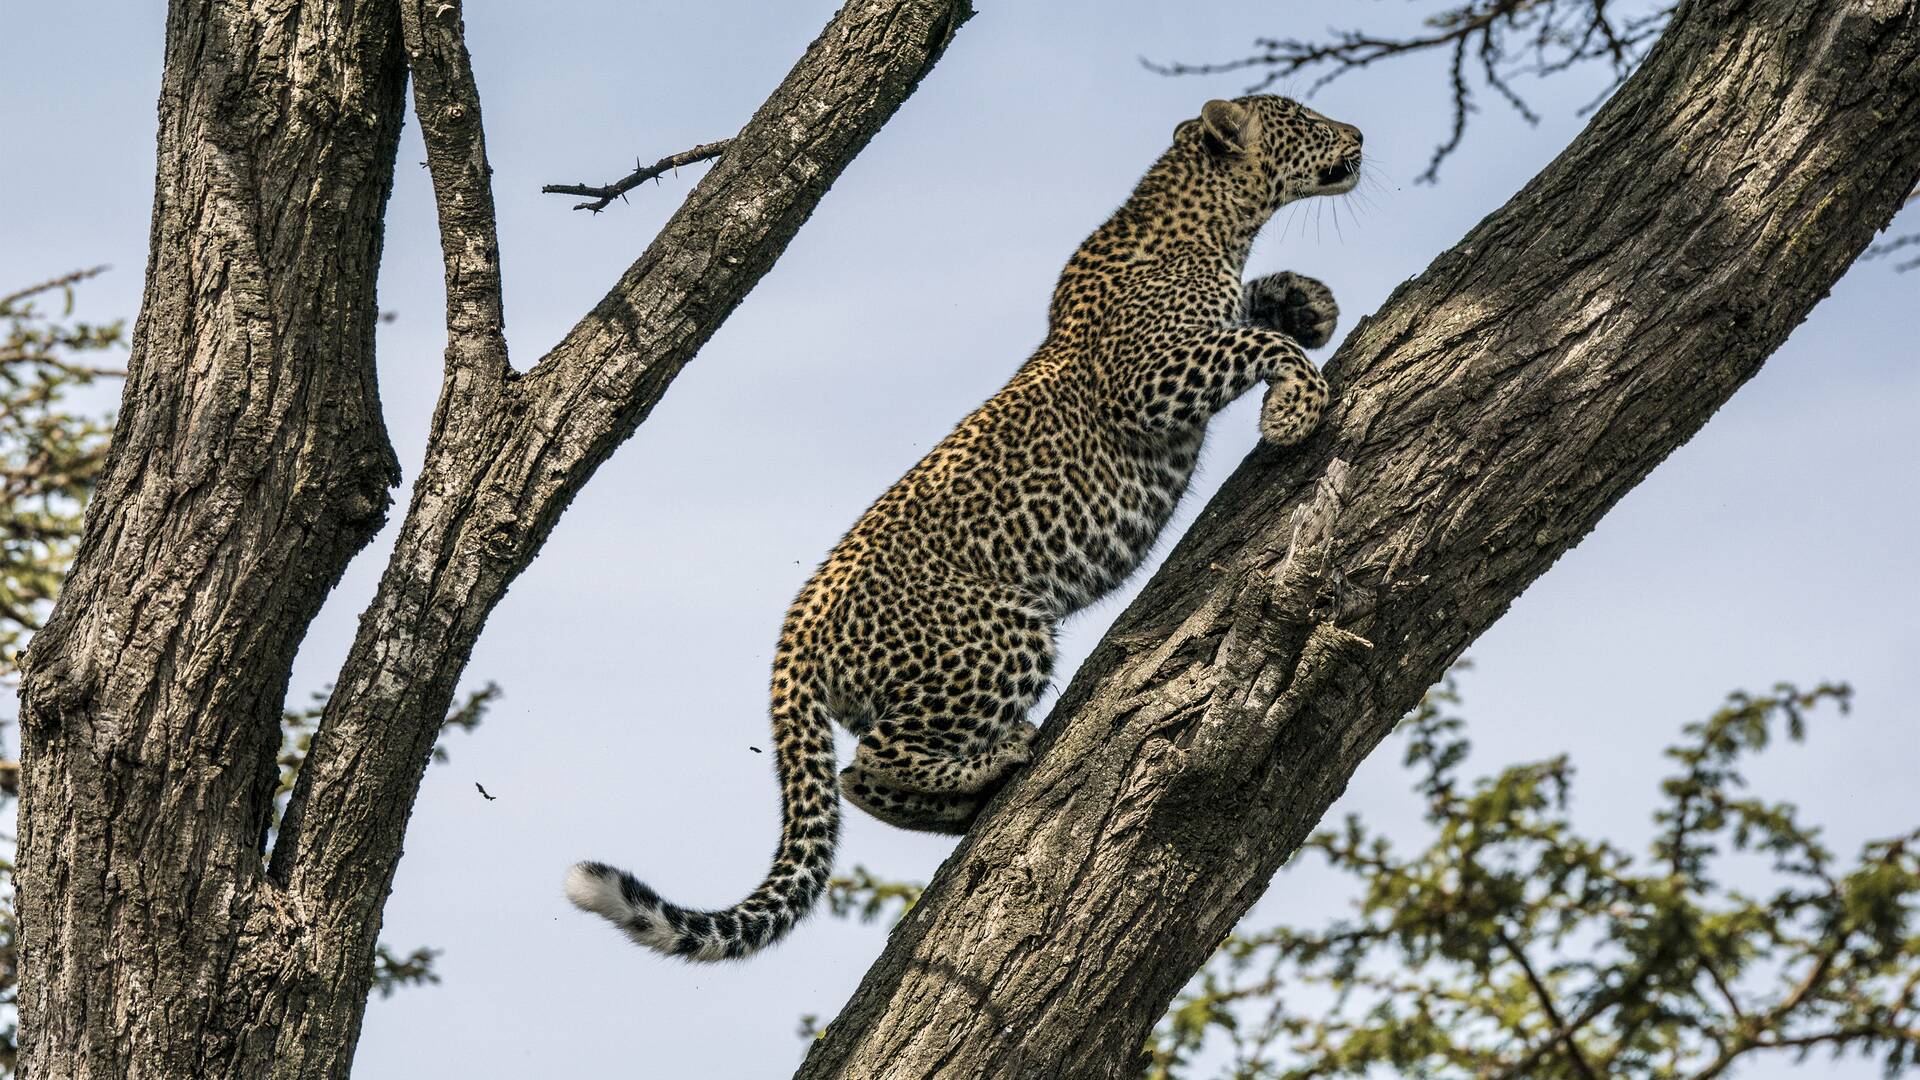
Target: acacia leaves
column 1512, row 945
column 49, row 453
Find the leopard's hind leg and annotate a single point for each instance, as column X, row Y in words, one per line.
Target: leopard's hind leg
column 919, row 811
column 965, row 666
column 934, row 762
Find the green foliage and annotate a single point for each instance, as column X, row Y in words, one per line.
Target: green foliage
column 1510, row 945
column 298, row 725
column 859, row 893
column 392, row 971
column 49, row 455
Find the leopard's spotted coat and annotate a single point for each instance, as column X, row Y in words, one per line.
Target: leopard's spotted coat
column 929, row 630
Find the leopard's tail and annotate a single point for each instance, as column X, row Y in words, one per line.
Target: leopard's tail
column 809, row 827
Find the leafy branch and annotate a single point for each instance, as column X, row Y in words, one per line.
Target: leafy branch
column 49, row 454
column 1512, row 946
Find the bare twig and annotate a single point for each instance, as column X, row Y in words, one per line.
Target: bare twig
column 1886, row 247
column 1505, row 38
column 603, row 195
column 1599, row 1003
column 1562, row 1029
column 1726, row 991
column 62, row 282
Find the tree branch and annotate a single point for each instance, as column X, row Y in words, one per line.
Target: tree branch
column 1563, row 1033
column 1726, row 992
column 249, row 464
column 505, row 459
column 1854, row 1033
column 1493, row 410
column 447, row 100
column 605, row 194
column 1559, row 34
column 64, row 282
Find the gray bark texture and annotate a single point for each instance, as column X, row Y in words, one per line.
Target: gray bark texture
column 1486, row 418
column 250, row 463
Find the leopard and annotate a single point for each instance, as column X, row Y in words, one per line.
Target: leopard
column 929, row 631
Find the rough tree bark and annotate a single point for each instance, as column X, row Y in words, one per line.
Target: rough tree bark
column 250, row 463
column 1487, row 416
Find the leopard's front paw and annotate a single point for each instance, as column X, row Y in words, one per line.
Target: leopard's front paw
column 1294, row 304
column 1293, row 407
column 1017, row 743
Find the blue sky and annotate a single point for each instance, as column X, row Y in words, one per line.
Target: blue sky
column 633, row 654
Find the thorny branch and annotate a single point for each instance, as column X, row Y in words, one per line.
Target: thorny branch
column 602, row 195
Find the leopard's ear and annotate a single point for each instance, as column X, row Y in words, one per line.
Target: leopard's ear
column 1224, row 127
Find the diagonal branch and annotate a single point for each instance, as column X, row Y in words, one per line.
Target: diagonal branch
column 1599, row 1003
column 1492, row 411
column 447, row 100
column 1726, row 991
column 507, row 455
column 603, row 194
column 64, row 282
column 1564, row 1034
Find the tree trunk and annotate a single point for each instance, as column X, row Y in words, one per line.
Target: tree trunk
column 250, row 463
column 1486, row 418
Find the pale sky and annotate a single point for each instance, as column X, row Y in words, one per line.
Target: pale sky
column 1777, row 545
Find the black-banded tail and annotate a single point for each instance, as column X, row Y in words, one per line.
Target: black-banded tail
column 810, row 826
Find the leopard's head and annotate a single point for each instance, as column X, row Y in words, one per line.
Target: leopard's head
column 1275, row 150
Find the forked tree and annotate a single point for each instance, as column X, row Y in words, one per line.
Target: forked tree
column 1488, row 415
